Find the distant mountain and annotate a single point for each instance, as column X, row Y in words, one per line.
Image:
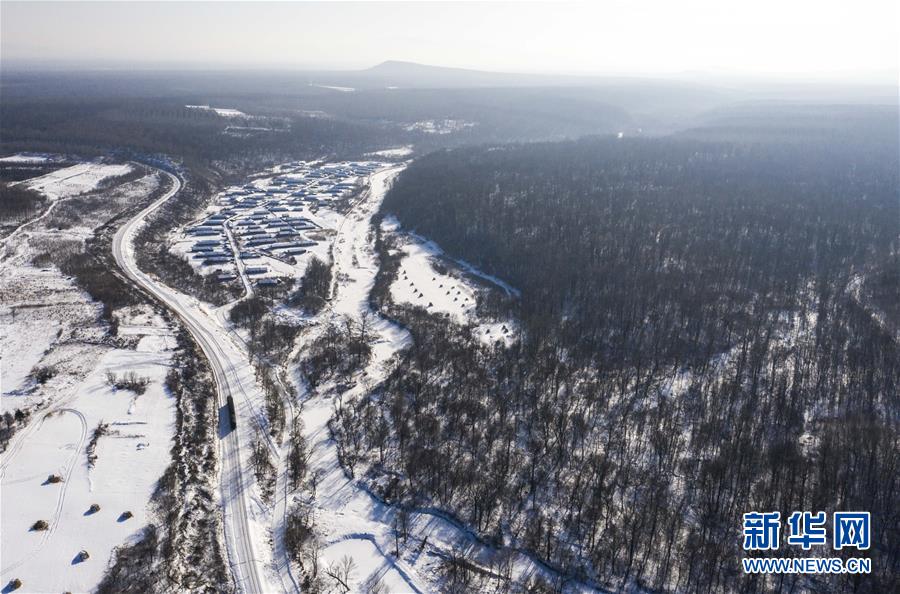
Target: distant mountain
column 687, row 87
column 403, row 68
column 412, row 74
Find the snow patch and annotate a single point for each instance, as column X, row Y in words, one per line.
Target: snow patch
column 25, row 158
column 75, row 180
column 439, row 127
column 222, row 111
column 333, row 88
column 401, row 151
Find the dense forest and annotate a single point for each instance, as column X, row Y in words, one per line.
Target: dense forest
column 200, row 137
column 694, row 344
column 277, row 127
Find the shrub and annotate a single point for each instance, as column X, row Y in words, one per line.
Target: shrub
column 44, row 373
column 129, row 381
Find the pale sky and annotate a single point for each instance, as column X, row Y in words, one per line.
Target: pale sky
column 844, row 38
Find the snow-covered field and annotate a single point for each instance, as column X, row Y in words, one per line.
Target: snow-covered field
column 41, row 310
column 439, row 127
column 75, row 180
column 49, row 322
column 402, row 151
column 428, row 279
column 130, row 458
column 334, row 88
column 225, row 112
column 46, row 318
column 420, row 283
column 25, row 158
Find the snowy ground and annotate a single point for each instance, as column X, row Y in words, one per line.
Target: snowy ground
column 75, row 180
column 428, row 279
column 222, row 111
column 333, row 88
column 439, row 127
column 403, row 151
column 46, row 318
column 130, row 459
column 344, row 512
column 47, row 321
column 25, row 158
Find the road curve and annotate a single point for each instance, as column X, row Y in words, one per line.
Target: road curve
column 247, row 569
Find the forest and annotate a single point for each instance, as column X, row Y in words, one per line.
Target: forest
column 703, row 332
column 96, row 116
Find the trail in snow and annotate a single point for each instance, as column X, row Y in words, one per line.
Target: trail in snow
column 62, row 487
column 54, row 522
column 18, row 230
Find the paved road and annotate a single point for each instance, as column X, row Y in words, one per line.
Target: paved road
column 247, row 569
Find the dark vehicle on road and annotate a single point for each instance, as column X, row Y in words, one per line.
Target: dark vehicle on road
column 232, row 417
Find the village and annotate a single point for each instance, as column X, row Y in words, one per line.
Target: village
column 257, row 232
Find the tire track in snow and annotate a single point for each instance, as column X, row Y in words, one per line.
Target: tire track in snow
column 61, row 497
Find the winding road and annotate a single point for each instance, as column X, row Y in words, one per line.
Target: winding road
column 246, row 564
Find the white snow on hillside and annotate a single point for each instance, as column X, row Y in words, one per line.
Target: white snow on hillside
column 402, row 151
column 75, row 180
column 371, row 565
column 419, row 283
column 428, row 279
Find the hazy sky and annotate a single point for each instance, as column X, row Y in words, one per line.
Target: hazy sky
column 820, row 37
